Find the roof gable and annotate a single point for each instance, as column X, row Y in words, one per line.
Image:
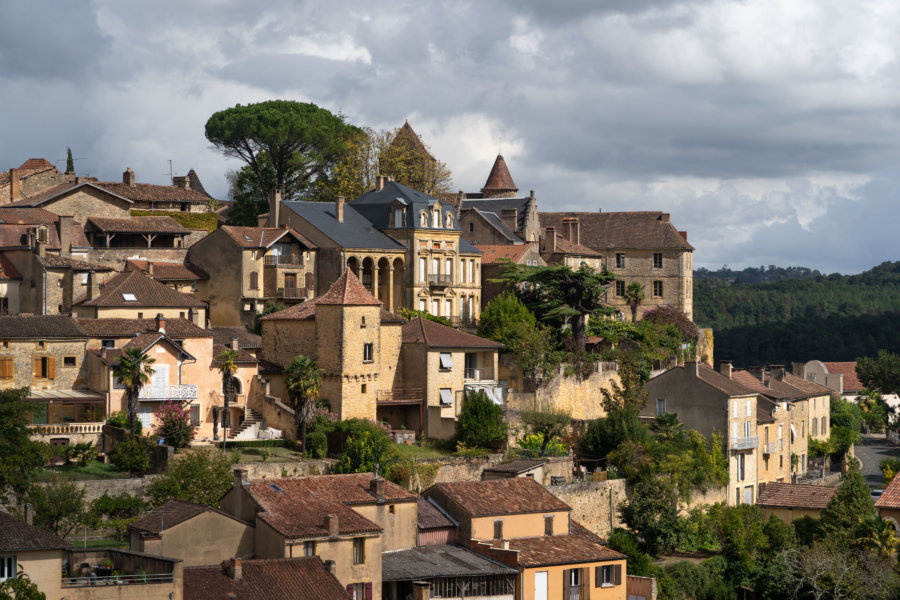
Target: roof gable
column 135, row 289
column 434, row 335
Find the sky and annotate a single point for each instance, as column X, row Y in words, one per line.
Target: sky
column 767, row 129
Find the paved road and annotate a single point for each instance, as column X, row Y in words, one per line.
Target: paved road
column 870, row 451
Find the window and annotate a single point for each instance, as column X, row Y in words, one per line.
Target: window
column 359, row 551
column 657, row 289
column 498, row 529
column 368, row 352
column 814, row 429
column 7, row 567
column 746, row 428
column 446, row 360
column 448, row 267
column 446, row 397
column 436, row 219
column 84, row 278
column 422, row 265
column 6, row 367
column 128, row 297
column 660, row 406
column 140, row 315
column 360, row 591
column 422, row 305
column 620, row 288
column 449, row 308
column 824, row 430
column 363, row 388
column 391, row 509
column 471, row 227
column 68, row 361
column 436, row 307
column 608, row 575
column 309, row 548
column 195, row 415
column 362, row 323
column 254, row 280
column 657, row 260
column 42, row 345
column 749, row 405
column 462, row 270
column 449, row 223
column 107, row 343
column 423, row 219
column 44, row 367
column 435, row 266
column 740, row 467
column 548, row 525
column 620, row 260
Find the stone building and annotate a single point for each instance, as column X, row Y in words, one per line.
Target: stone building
column 32, row 176
column 494, row 260
column 180, row 276
column 564, row 249
column 252, row 266
column 497, row 215
column 641, row 247
column 792, row 501
column 134, row 295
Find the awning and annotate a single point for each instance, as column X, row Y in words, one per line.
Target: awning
column 793, row 432
column 446, row 396
column 446, row 360
column 65, row 396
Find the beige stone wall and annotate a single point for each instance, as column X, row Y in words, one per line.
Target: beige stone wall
column 399, row 526
column 23, row 354
column 789, row 515
column 775, row 458
column 89, row 202
column 676, row 276
column 595, row 505
column 580, row 397
column 143, row 312
column 519, row 525
column 390, row 374
column 340, row 550
column 800, row 442
column 117, row 257
column 819, row 407
column 44, row 567
column 283, row 340
column 349, row 383
column 207, row 539
column 221, row 258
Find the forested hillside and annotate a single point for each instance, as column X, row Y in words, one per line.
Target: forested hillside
column 757, row 274
column 833, row 317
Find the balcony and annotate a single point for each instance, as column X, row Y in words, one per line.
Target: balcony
column 105, row 570
column 400, row 396
column 292, row 293
column 283, row 261
column 440, row 280
column 771, row 448
column 168, row 392
column 745, row 443
column 480, row 374
column 67, row 428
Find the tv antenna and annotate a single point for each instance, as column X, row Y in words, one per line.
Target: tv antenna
column 171, row 177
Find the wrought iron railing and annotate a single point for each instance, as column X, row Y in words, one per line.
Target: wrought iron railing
column 480, row 374
column 437, row 279
column 745, row 443
column 283, row 261
column 168, row 392
column 292, row 292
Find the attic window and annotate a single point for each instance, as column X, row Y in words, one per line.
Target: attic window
column 247, row 237
column 276, row 488
column 128, row 297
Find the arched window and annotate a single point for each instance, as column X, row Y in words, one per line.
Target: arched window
column 254, row 280
column 236, row 386
column 423, row 219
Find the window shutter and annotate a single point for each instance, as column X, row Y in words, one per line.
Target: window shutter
column 567, row 577
column 37, row 367
column 617, row 575
column 583, row 583
column 598, row 576
column 369, row 591
column 350, row 590
column 51, row 368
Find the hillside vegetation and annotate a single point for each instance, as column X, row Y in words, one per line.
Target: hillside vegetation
column 833, row 317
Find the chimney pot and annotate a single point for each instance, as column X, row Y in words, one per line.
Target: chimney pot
column 150, row 268
column 332, row 525
column 379, row 183
column 235, row 569
column 29, row 513
column 693, row 366
column 339, row 208
column 234, row 344
column 504, row 544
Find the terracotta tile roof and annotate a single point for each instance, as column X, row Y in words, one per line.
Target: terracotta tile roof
column 148, row 192
column 848, row 370
column 430, row 517
column 16, row 535
column 126, row 328
column 622, row 230
column 7, row 270
column 149, row 293
column 27, row 216
column 170, row 514
column 551, row 550
column 795, row 495
column 498, row 496
column 242, row 356
column 512, row 252
column 430, row 562
column 52, row 192
column 564, row 246
column 163, row 224
column 499, row 179
column 37, row 164
column 517, row 466
column 348, row 291
column 296, row 507
column 263, row 237
column 751, row 381
column 55, row 261
column 435, row 335
column 30, row 167
column 810, row 387
column 170, row 271
column 303, row 578
column 145, row 341
column 732, row 387
column 39, row 326
column 890, row 498
column 245, row 337
column 307, row 310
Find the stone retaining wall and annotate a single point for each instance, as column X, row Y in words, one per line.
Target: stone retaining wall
column 595, row 504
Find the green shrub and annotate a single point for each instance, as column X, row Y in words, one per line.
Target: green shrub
column 639, row 563
column 365, row 445
column 120, row 419
column 481, row 423
column 173, row 423
column 132, row 455
column 189, row 220
column 316, row 444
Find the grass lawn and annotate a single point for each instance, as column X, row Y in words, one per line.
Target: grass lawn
column 107, row 543
column 275, row 454
column 415, row 451
column 75, row 472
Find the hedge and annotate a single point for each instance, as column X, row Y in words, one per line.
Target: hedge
column 257, row 443
column 191, row 220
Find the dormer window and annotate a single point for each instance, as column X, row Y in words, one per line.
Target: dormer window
column 397, row 219
column 437, row 218
column 423, row 219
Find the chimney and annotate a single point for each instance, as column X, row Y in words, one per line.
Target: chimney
column 421, row 590
column 274, row 207
column 572, row 227
column 799, row 369
column 332, row 525
column 376, row 487
column 182, row 181
column 193, row 316
column 379, row 182
column 241, row 478
column 725, row 368
column 504, row 544
column 510, row 218
column 329, row 566
column 128, row 177
column 29, row 513
column 93, row 286
column 776, row 372
column 150, row 268
column 693, row 367
column 550, row 240
column 234, row 344
column 160, row 323
column 664, row 217
column 40, row 240
column 234, row 569
column 339, row 208
column 66, row 225
column 14, row 185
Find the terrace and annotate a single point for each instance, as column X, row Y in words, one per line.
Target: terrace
column 97, row 574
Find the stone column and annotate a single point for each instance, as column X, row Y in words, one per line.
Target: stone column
column 390, row 301
column 375, row 269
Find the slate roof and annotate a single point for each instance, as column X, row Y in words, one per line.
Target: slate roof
column 499, row 179
column 430, row 517
column 149, row 293
column 559, row 550
column 39, row 326
column 429, row 562
column 263, row 237
column 497, row 223
column 354, row 232
column 375, row 205
column 162, row 224
column 495, row 254
column 7, row 270
column 296, row 507
column 265, row 579
column 246, row 338
column 848, row 370
column 496, row 206
column 170, row 271
column 795, row 495
column 170, row 514
column 890, row 498
column 196, row 184
column 17, row 535
column 348, row 291
column 126, row 328
column 500, row 497
column 518, row 466
column 435, row 335
column 649, row 230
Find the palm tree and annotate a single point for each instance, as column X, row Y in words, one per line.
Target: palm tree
column 302, row 381
column 878, row 534
column 226, row 366
column 134, row 371
column 634, row 295
column 667, row 427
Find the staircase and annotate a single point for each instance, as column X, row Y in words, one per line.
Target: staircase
column 249, row 428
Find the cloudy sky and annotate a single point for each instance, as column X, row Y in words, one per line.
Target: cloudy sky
column 768, row 129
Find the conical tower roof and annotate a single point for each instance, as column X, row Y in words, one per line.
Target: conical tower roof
column 500, row 180
column 348, row 291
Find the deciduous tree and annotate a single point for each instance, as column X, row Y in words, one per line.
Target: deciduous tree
column 202, row 476
column 59, row 506
column 881, row 373
column 20, row 456
column 546, row 421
